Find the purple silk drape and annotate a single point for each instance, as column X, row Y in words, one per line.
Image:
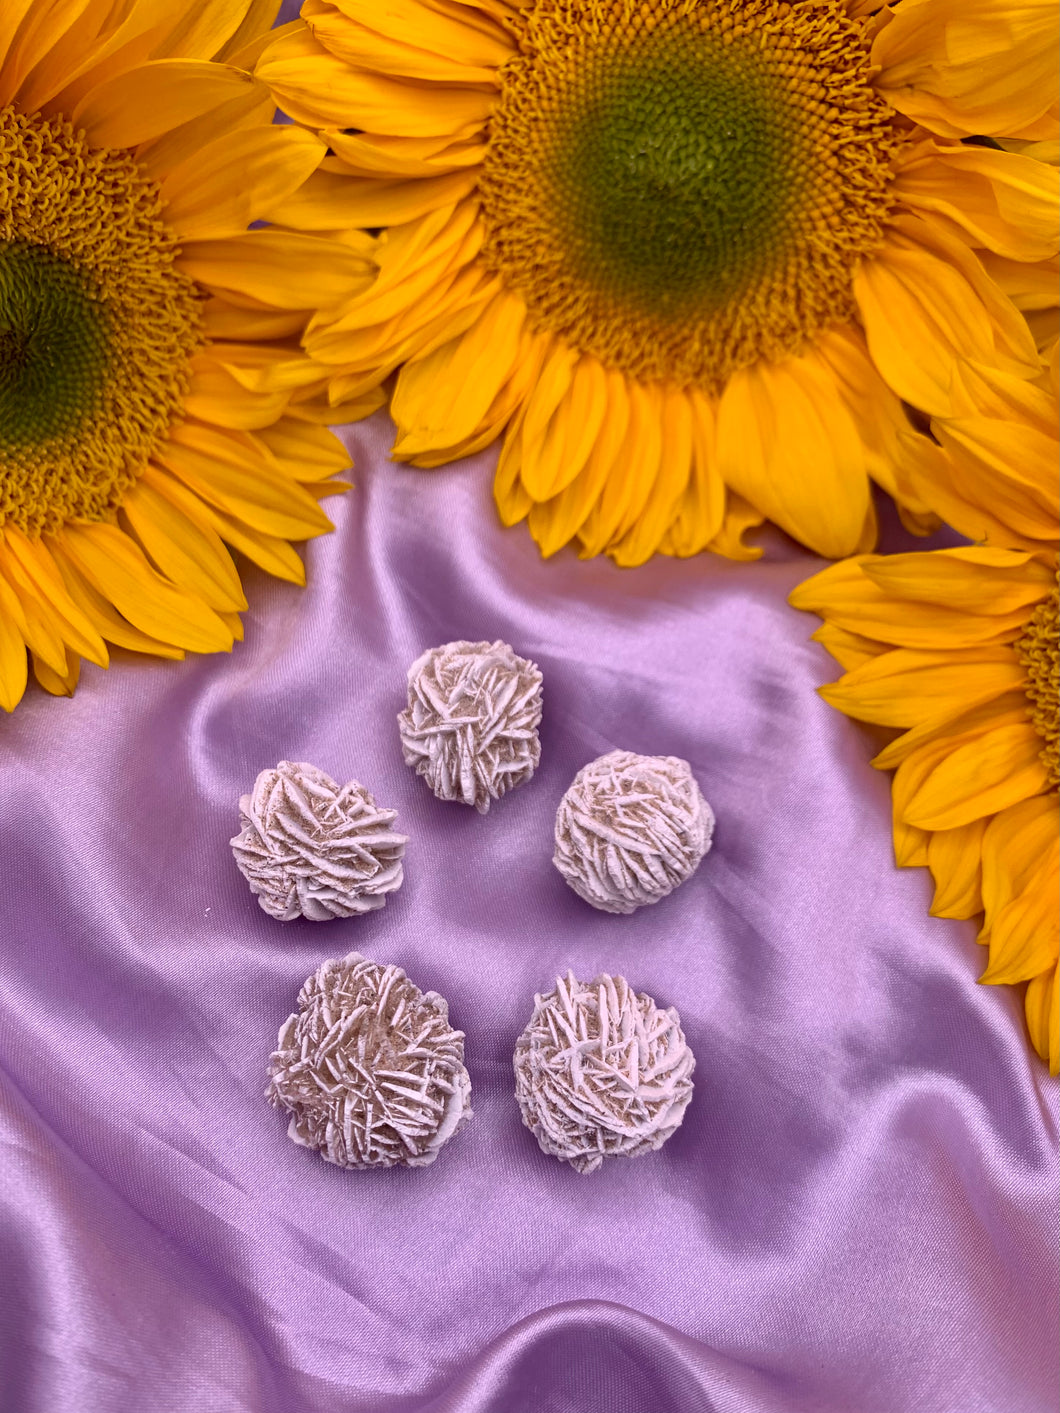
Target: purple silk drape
column 859, row 1212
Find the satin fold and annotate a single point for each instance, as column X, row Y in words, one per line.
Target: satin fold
column 859, row 1213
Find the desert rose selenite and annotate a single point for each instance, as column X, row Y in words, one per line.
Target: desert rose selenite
column 470, row 727
column 601, row 1071
column 369, row 1068
column 309, row 848
column 630, row 829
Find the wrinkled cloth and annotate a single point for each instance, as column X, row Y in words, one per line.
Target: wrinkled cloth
column 859, row 1212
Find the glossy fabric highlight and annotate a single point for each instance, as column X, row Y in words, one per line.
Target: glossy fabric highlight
column 858, row 1214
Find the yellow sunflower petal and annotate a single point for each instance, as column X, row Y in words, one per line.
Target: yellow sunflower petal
column 30, row 30
column 787, row 443
column 998, row 199
column 849, row 649
column 387, row 157
column 700, row 513
column 94, row 49
column 253, row 108
column 414, row 260
column 908, row 779
column 950, row 67
column 510, row 396
column 910, row 843
column 62, row 81
column 215, row 396
column 186, row 551
column 1015, row 351
column 142, row 103
column 555, row 522
column 31, row 619
column 1009, row 709
column 1031, row 285
column 330, row 199
column 1023, row 938
column 632, row 476
column 263, row 367
column 653, row 520
column 906, row 688
column 234, row 180
column 12, row 16
column 318, row 88
column 121, row 573
column 850, row 595
column 105, row 618
column 996, row 513
column 740, row 518
column 469, row 33
column 1043, row 1016
column 1021, row 871
column 228, row 322
column 13, row 664
column 1000, row 396
column 966, row 578
column 236, row 475
column 59, row 50
column 876, row 410
column 509, row 493
column 563, row 419
column 232, row 622
column 202, row 31
column 409, row 40
column 306, row 452
column 1016, row 459
column 31, row 563
column 428, row 292
column 1001, row 768
column 254, row 31
column 271, row 553
column 282, row 269
column 1042, row 137
column 441, row 400
column 500, row 10
column 923, row 316
column 62, row 683
column 307, row 406
column 955, row 859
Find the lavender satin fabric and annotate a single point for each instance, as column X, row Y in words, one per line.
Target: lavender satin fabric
column 859, row 1212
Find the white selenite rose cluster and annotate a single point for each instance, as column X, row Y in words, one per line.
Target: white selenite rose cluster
column 601, row 1071
column 309, row 848
column 630, row 829
column 369, row 1068
column 470, row 727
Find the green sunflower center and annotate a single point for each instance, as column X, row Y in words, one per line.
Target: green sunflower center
column 685, row 190
column 1039, row 652
column 54, row 337
column 673, row 180
column 96, row 325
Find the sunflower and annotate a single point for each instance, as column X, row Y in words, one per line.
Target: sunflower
column 688, row 256
column 155, row 404
column 959, row 650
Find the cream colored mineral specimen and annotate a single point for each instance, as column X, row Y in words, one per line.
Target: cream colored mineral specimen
column 369, row 1068
column 470, row 727
column 310, row 849
column 601, row 1071
column 630, row 829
